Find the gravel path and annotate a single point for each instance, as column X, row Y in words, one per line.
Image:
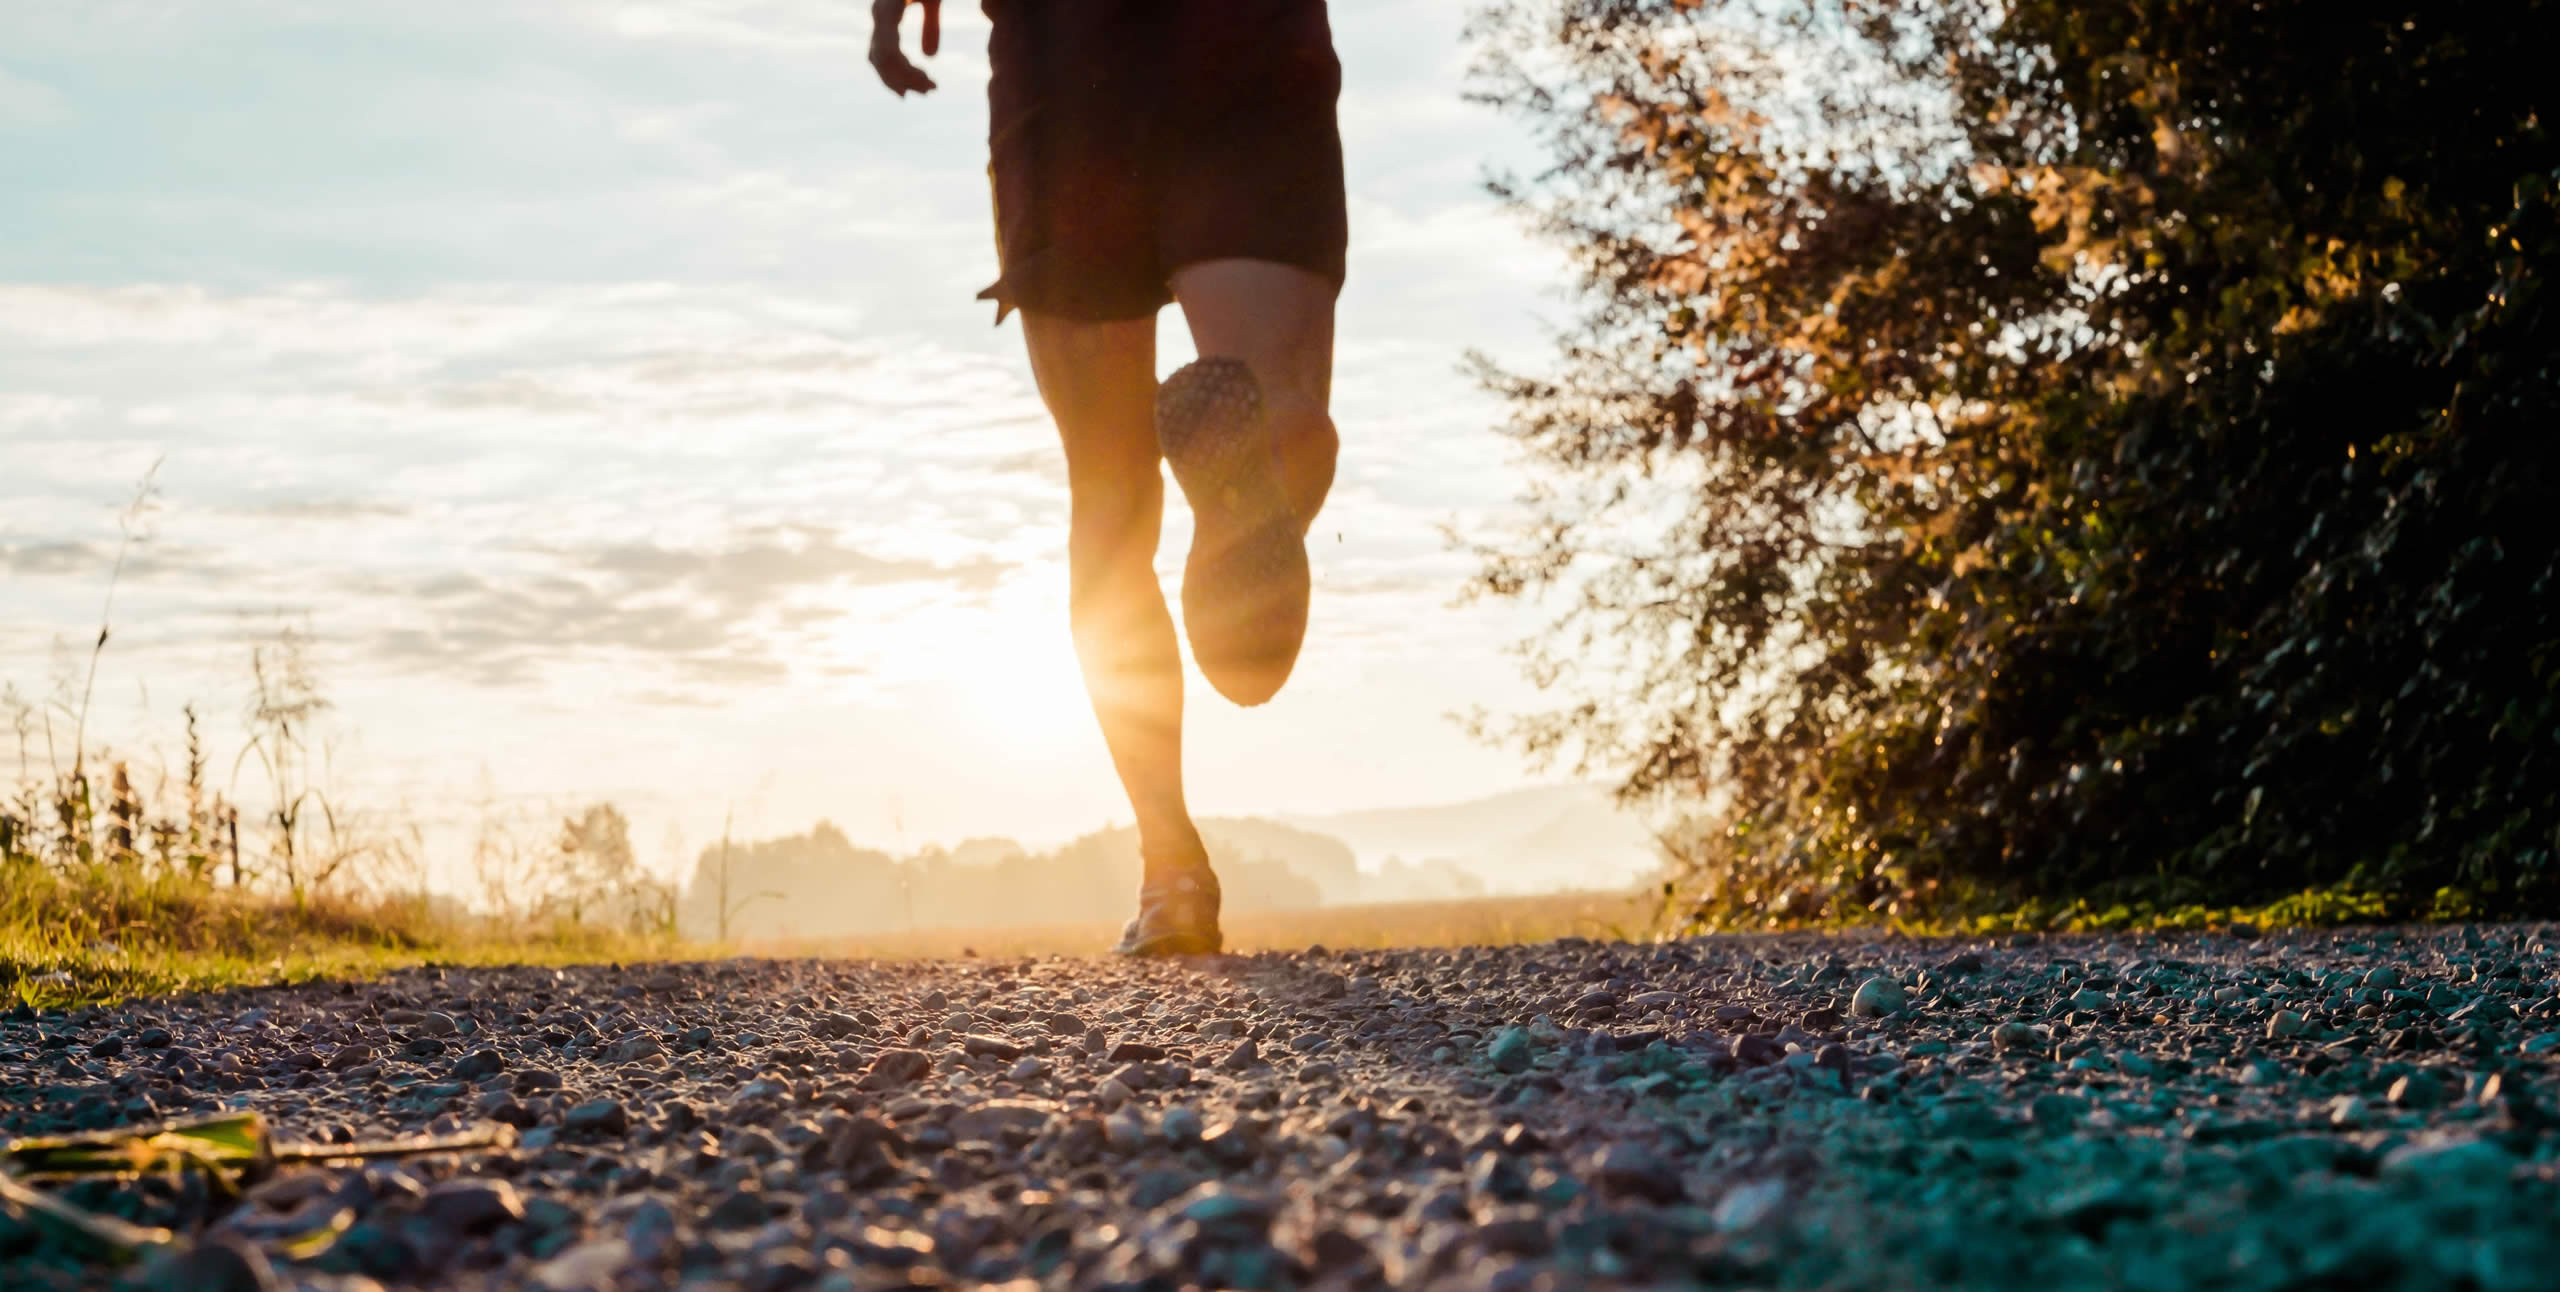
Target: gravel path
column 2361, row 1108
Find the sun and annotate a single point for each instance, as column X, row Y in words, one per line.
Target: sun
column 1006, row 668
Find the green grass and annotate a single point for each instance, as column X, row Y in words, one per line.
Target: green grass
column 99, row 934
column 1986, row 916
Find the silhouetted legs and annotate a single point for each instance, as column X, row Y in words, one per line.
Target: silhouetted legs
column 1099, row 382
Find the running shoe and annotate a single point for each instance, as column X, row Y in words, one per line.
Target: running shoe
column 1245, row 586
column 1177, row 915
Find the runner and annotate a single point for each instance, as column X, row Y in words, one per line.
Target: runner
column 1145, row 153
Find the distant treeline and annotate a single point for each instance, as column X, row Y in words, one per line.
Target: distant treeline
column 820, row 884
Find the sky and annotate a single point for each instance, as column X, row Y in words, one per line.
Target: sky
column 599, row 385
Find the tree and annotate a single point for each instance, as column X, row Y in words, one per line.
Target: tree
column 597, row 876
column 2048, row 448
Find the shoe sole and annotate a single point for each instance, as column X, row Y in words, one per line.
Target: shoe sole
column 1246, row 582
column 1172, row 944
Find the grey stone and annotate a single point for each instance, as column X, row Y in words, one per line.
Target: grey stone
column 2440, row 1164
column 895, row 1070
column 214, row 1265
column 632, row 1049
column 1878, row 997
column 995, row 1119
column 1630, row 1168
column 598, row 1117
column 473, row 1206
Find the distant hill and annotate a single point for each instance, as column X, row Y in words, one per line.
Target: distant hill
column 1533, row 840
column 821, row 884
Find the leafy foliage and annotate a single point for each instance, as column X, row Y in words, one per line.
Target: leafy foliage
column 2050, row 449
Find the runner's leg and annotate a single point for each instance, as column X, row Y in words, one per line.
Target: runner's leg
column 1278, row 319
column 1098, row 380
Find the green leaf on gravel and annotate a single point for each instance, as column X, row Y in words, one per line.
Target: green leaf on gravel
column 231, row 1148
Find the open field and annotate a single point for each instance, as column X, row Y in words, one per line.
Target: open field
column 1480, row 921
column 104, row 937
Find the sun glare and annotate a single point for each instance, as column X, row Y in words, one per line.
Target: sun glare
column 1009, row 669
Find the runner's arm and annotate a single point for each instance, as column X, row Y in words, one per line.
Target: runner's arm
column 888, row 59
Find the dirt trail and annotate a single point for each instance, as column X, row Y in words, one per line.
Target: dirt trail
column 2360, row 1108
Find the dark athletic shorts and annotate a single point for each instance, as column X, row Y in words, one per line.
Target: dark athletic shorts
column 1132, row 137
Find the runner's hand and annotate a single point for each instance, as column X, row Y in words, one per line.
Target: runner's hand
column 888, row 59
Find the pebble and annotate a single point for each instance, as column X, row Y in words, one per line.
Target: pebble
column 1245, row 1056
column 2014, row 1035
column 742, row 1208
column 2143, row 1136
column 1630, row 1168
column 632, row 1049
column 1878, row 997
column 1124, row 1130
column 994, row 1119
column 1746, row 1206
column 473, row 1206
column 592, row 1266
column 216, row 1265
column 650, row 1231
column 895, row 1070
column 598, row 1117
column 2439, row 1165
column 991, row 1047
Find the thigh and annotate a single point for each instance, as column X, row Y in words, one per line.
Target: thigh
column 1278, row 318
column 1099, row 381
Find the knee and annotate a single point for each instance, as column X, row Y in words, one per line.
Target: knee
column 1300, row 420
column 1309, row 449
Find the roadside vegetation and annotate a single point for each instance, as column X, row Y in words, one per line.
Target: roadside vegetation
column 2018, row 457
column 132, row 875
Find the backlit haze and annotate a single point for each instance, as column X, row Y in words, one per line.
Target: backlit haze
column 599, row 382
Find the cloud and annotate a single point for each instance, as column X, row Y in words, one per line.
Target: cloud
column 37, row 560
column 73, row 558
column 832, row 28
column 729, row 615
column 26, row 104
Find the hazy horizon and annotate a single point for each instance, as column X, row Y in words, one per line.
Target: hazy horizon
column 601, row 386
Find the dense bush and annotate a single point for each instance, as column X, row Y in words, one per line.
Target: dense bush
column 2088, row 448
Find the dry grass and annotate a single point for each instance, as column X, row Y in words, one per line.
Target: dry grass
column 107, row 932
column 1484, row 921
column 110, row 933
